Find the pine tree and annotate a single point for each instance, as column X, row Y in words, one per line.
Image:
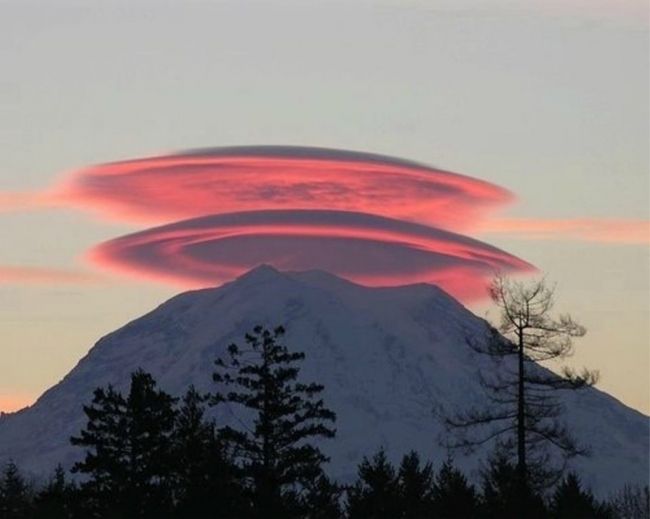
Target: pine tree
column 105, row 458
column 15, row 499
column 453, row 496
column 415, row 487
column 276, row 456
column 571, row 501
column 203, row 471
column 503, row 495
column 376, row 494
column 128, row 449
column 322, row 499
column 57, row 499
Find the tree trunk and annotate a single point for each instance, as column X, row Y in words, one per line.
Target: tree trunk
column 522, row 471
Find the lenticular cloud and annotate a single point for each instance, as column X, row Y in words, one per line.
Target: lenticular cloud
column 373, row 219
column 369, row 249
column 222, row 180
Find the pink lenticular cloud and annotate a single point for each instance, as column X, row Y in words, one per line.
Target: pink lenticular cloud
column 373, row 219
column 222, row 180
column 619, row 231
column 368, row 249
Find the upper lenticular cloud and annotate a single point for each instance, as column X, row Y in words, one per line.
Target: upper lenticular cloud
column 221, row 180
column 368, row 249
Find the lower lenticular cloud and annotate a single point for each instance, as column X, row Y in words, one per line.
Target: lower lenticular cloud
column 222, row 180
column 368, row 249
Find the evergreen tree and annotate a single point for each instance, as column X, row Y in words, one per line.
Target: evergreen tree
column 15, row 498
column 571, row 501
column 128, row 449
column 322, row 499
column 57, row 499
column 415, row 487
column 276, row 456
column 453, row 496
column 376, row 494
column 105, row 458
column 203, row 471
column 504, row 497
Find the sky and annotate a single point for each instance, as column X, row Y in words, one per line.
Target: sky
column 495, row 135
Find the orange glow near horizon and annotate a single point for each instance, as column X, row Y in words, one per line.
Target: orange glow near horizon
column 10, row 403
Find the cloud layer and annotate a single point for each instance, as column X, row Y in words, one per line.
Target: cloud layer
column 222, row 180
column 369, row 249
column 373, row 219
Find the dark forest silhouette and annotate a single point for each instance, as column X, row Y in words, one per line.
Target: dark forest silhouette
column 148, row 454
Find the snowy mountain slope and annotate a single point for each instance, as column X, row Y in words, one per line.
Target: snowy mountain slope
column 387, row 357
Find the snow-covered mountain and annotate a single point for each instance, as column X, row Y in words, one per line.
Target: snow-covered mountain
column 387, row 357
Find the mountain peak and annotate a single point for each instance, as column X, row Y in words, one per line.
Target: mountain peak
column 261, row 272
column 387, row 356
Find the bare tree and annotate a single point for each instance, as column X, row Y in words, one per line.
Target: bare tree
column 524, row 410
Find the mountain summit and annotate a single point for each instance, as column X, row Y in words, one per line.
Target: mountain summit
column 387, row 358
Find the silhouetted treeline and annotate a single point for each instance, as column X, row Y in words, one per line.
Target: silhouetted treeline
column 148, row 454
column 413, row 490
